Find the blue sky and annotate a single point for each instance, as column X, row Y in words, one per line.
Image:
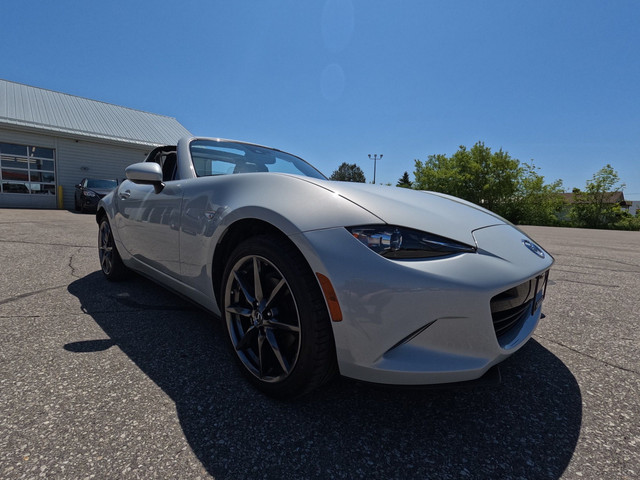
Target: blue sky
column 333, row 81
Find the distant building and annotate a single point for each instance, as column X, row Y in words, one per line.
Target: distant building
column 611, row 198
column 50, row 139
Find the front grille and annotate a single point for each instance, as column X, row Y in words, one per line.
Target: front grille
column 505, row 320
column 511, row 307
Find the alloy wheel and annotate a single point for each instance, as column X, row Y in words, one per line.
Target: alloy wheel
column 105, row 248
column 262, row 318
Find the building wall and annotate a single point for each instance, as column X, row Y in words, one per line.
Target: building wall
column 75, row 160
column 78, row 159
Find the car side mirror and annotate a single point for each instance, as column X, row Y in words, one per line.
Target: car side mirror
column 146, row 173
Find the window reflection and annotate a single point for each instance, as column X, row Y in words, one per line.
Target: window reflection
column 11, row 149
column 43, row 189
column 27, row 169
column 41, row 152
column 14, row 187
column 13, row 162
column 36, row 176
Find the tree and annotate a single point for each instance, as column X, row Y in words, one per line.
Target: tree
column 493, row 180
column 348, row 173
column 535, row 203
column 595, row 207
column 626, row 221
column 478, row 175
column 404, row 181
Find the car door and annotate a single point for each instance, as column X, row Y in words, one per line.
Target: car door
column 149, row 224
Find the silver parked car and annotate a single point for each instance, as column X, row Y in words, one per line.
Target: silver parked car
column 314, row 277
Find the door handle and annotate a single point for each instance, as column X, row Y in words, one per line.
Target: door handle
column 124, row 195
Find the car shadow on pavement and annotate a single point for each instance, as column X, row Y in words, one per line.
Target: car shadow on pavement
column 526, row 427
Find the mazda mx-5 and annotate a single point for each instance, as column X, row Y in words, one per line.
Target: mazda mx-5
column 314, row 278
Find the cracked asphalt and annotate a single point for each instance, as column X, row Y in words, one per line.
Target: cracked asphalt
column 104, row 380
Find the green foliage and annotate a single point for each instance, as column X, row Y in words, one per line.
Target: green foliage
column 348, row 173
column 594, row 207
column 518, row 192
column 404, row 181
column 626, row 221
column 535, row 203
column 493, row 180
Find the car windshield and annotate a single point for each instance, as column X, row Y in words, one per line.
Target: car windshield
column 95, row 183
column 211, row 157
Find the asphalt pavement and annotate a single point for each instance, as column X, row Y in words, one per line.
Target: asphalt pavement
column 125, row 380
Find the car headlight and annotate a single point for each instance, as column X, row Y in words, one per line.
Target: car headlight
column 400, row 242
column 89, row 193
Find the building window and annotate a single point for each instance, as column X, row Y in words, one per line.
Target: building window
column 26, row 169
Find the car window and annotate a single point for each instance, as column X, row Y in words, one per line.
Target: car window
column 212, row 157
column 95, row 183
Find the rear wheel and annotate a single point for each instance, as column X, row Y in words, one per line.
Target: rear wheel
column 277, row 319
column 110, row 261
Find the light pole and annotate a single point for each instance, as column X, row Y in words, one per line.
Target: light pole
column 375, row 159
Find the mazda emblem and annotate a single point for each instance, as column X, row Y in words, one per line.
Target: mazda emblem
column 534, row 248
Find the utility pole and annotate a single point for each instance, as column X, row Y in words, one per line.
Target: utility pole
column 375, row 159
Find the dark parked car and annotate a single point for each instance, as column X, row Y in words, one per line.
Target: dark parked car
column 89, row 192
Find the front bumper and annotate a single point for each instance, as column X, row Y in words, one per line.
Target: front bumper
column 424, row 321
column 89, row 203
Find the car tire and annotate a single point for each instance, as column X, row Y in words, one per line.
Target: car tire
column 276, row 317
column 75, row 204
column 110, row 261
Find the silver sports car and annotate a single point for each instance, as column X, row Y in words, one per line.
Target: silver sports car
column 314, row 277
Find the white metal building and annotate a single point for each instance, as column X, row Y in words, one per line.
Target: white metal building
column 50, row 139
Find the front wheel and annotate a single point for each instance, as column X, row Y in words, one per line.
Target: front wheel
column 276, row 318
column 110, row 261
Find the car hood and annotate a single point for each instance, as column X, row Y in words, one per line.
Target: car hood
column 432, row 212
column 101, row 191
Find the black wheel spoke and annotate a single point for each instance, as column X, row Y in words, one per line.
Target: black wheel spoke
column 257, row 282
column 248, row 339
column 273, row 343
column 276, row 325
column 243, row 287
column 274, row 292
column 239, row 310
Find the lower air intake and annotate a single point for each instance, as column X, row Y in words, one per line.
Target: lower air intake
column 511, row 307
column 504, row 321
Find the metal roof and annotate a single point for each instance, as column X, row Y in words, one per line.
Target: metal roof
column 608, row 197
column 23, row 105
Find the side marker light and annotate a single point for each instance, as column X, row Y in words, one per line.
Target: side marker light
column 330, row 296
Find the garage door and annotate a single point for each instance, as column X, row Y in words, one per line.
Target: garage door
column 27, row 176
